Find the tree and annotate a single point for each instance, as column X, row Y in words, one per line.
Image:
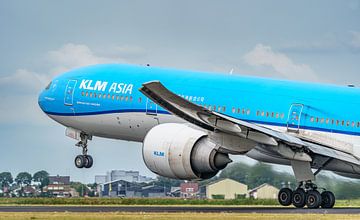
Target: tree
column 23, row 178
column 5, row 180
column 42, row 177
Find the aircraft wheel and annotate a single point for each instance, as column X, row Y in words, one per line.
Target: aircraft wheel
column 80, row 161
column 299, row 198
column 328, row 200
column 285, row 196
column 88, row 161
column 313, row 199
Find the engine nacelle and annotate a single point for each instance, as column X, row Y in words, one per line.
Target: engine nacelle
column 182, row 152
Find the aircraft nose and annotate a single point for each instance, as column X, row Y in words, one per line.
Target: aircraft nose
column 41, row 100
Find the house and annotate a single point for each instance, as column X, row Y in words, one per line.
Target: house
column 264, row 191
column 189, row 190
column 226, row 189
column 59, row 186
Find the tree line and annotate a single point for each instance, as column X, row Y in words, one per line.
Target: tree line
column 24, row 179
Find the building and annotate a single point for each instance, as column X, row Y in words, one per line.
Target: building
column 189, row 190
column 120, row 188
column 153, row 191
column 226, row 189
column 59, row 186
column 129, row 176
column 264, row 191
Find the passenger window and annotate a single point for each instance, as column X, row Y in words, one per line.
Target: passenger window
column 126, row 98
column 117, row 97
column 94, row 95
column 238, row 110
column 282, row 115
column 140, row 99
column 87, row 93
column 272, row 114
column 223, row 108
column 347, row 123
column 82, row 93
column 113, row 97
column 358, row 124
column 277, row 115
column 104, row 96
column 267, row 114
column 257, row 113
column 262, row 113
column 343, row 122
column 327, row 121
column 90, row 94
column 131, row 98
column 248, row 112
column 353, row 124
column 233, row 110
column 122, row 98
column 312, row 119
column 322, row 121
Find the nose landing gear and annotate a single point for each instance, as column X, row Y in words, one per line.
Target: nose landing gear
column 83, row 160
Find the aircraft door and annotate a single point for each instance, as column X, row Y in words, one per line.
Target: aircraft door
column 151, row 107
column 294, row 117
column 69, row 92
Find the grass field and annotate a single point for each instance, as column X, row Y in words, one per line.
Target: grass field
column 153, row 201
column 171, row 216
column 132, row 201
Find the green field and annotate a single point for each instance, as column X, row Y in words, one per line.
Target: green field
column 171, row 216
column 152, row 201
column 131, row 201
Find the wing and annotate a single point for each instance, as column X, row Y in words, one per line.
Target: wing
column 287, row 145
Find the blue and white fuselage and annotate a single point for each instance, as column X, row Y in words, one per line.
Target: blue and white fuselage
column 104, row 100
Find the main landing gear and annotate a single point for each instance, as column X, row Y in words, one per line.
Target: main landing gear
column 83, row 160
column 306, row 195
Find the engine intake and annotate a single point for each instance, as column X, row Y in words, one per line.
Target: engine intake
column 182, row 152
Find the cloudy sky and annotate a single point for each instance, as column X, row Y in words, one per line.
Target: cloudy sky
column 306, row 40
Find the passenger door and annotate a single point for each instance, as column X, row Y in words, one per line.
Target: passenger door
column 69, row 92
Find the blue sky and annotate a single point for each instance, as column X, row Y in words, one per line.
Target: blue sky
column 305, row 40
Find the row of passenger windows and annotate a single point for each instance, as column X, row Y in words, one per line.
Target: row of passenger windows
column 108, row 96
column 242, row 111
column 334, row 122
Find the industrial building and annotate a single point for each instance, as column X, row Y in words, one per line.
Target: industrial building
column 264, row 191
column 122, row 188
column 129, row 176
column 226, row 189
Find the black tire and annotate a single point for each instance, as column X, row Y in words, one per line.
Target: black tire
column 299, row 198
column 88, row 161
column 285, row 196
column 80, row 161
column 313, row 199
column 327, row 200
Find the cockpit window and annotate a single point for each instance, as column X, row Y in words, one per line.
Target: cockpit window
column 48, row 86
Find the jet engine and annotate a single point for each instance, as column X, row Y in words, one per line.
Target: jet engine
column 181, row 152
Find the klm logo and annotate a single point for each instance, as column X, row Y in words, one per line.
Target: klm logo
column 159, row 153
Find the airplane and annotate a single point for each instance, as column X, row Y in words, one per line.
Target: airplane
column 190, row 122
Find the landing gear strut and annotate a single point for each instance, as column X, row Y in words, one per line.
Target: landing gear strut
column 83, row 160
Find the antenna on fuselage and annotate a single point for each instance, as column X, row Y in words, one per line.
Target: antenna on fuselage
column 231, row 71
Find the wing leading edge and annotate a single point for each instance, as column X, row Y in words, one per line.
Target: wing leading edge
column 285, row 143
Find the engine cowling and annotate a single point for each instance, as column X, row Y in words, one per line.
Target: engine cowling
column 182, row 152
